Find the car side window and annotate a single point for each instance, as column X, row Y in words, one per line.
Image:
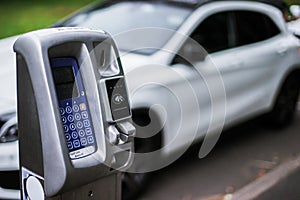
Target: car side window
column 213, row 34
column 253, row 27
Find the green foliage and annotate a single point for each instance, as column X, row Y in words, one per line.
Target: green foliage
column 22, row 16
column 290, row 2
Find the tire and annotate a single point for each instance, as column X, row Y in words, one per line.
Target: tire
column 134, row 183
column 284, row 108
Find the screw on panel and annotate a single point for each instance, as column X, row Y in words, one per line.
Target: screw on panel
column 91, row 194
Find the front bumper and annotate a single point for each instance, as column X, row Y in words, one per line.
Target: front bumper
column 9, row 194
column 9, row 171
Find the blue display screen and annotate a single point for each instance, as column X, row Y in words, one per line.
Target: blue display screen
column 74, row 110
column 65, row 83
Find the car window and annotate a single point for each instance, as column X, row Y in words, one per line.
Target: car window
column 119, row 17
column 215, row 33
column 253, row 27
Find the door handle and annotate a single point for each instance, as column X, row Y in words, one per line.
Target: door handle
column 237, row 62
column 282, row 50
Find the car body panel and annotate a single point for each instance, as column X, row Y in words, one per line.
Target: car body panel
column 8, row 77
column 294, row 27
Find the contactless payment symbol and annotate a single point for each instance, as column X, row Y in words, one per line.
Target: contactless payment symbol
column 118, row 99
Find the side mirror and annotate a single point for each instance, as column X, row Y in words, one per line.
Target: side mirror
column 295, row 10
column 191, row 52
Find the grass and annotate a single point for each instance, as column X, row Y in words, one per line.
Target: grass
column 20, row 16
column 290, row 2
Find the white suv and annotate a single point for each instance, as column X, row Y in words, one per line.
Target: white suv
column 251, row 67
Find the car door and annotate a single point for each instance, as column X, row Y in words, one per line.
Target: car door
column 247, row 49
column 213, row 35
column 258, row 53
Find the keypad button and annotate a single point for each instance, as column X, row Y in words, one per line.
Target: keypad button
column 81, row 133
column 68, row 109
column 76, row 108
column 86, row 123
column 70, row 145
column 83, row 141
column 90, row 140
column 84, row 115
column 82, row 106
column 64, row 120
column 74, row 135
column 77, row 116
column 68, row 137
column 88, row 131
column 66, row 128
column 76, row 143
column 72, row 126
column 79, row 124
column 70, row 118
column 62, row 111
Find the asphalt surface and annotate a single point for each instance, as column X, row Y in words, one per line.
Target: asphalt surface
column 242, row 155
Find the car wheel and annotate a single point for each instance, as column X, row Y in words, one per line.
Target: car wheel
column 284, row 109
column 134, row 183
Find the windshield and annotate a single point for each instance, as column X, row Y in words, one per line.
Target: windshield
column 121, row 17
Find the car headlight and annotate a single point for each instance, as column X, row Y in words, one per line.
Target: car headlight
column 9, row 131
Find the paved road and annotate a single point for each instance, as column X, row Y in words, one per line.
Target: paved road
column 242, row 155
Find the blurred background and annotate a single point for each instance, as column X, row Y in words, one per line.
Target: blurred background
column 20, row 16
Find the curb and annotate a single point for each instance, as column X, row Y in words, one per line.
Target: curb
column 281, row 183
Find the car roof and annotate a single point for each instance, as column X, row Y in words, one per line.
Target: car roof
column 184, row 3
column 280, row 4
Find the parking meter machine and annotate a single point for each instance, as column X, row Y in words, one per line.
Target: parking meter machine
column 74, row 118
